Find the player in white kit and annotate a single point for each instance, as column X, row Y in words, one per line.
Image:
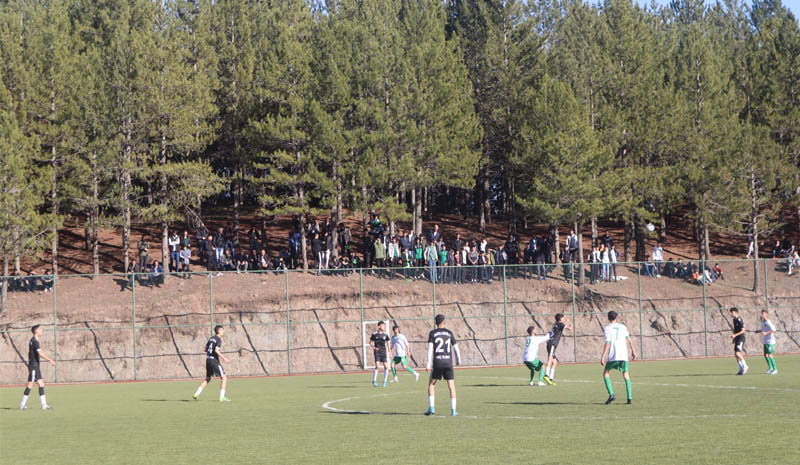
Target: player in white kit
column 615, row 355
column 401, row 349
column 768, row 333
column 531, row 356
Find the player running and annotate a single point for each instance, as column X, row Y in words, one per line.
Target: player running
column 531, row 355
column 615, row 355
column 768, row 333
column 441, row 345
column 559, row 326
column 738, row 338
column 213, row 367
column 379, row 341
column 401, row 350
column 34, row 372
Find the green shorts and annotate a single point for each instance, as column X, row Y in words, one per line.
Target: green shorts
column 619, row 365
column 769, row 349
column 397, row 360
column 534, row 365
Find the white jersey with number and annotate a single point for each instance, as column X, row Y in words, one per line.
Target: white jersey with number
column 532, row 347
column 400, row 345
column 616, row 335
column 768, row 326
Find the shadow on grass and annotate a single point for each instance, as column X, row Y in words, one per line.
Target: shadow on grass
column 391, row 414
column 538, row 403
column 167, row 400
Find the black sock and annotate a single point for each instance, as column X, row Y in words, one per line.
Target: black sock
column 27, row 391
column 41, row 391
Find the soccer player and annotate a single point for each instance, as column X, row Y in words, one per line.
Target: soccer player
column 34, row 372
column 401, row 350
column 615, row 355
column 738, row 340
column 213, row 367
column 559, row 326
column 768, row 333
column 379, row 341
column 531, row 355
column 441, row 346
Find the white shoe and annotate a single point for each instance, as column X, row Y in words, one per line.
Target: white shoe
column 416, row 376
column 531, row 383
column 744, row 372
column 23, row 407
column 47, row 407
column 774, row 372
column 769, row 372
column 394, row 381
column 541, row 383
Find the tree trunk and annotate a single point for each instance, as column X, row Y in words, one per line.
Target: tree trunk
column 578, row 228
column 487, row 205
column 638, row 234
column 126, row 198
column 662, row 233
column 165, row 223
column 706, row 244
column 54, row 206
column 165, row 247
column 556, row 245
column 303, row 234
column 626, row 241
column 95, row 214
column 417, row 199
column 756, row 268
column 594, row 231
column 237, row 202
column 95, row 243
column 87, row 243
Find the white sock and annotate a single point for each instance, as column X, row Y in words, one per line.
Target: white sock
column 738, row 362
column 375, row 375
column 431, row 401
column 222, row 393
column 552, row 372
column 453, row 403
column 24, row 401
column 199, row 390
column 43, row 400
column 385, row 376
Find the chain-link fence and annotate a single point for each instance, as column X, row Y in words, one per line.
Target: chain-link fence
column 122, row 327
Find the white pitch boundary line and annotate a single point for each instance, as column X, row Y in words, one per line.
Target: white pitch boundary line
column 706, row 386
column 329, row 406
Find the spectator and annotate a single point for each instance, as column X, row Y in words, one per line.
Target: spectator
column 605, row 259
column 751, row 245
column 186, row 260
column 444, row 275
column 472, row 261
column 407, row 261
column 133, row 268
column 253, row 238
column 419, row 261
column 143, row 247
column 540, row 257
column 227, row 261
column 263, row 260
column 613, row 255
column 595, row 260
column 345, row 239
column 530, row 257
column 379, row 250
column 32, row 280
column 295, row 243
column 393, row 255
column 219, row 245
column 793, row 261
column 47, row 281
column 241, row 262
column 669, row 268
column 434, row 236
column 174, row 251
column 649, row 268
column 211, row 255
column 201, row 235
column 658, row 258
column 316, row 251
column 607, row 241
column 156, row 277
column 432, row 258
column 777, row 251
column 186, row 241
column 717, row 272
column 572, row 246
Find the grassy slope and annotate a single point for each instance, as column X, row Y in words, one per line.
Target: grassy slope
column 684, row 412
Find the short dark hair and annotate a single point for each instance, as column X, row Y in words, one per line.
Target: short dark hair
column 765, row 311
column 734, row 309
column 381, row 323
column 530, row 329
column 612, row 315
column 439, row 319
column 559, row 316
column 34, row 328
column 217, row 329
column 395, row 327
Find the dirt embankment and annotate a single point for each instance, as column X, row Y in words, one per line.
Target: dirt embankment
column 321, row 327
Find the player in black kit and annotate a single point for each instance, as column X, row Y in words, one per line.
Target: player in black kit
column 213, row 367
column 441, row 347
column 34, row 372
column 738, row 341
column 379, row 341
column 559, row 326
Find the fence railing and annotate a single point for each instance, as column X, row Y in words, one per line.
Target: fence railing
column 123, row 327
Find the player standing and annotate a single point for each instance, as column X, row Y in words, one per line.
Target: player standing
column 768, row 333
column 34, row 372
column 401, row 351
column 213, row 367
column 555, row 337
column 738, row 338
column 379, row 341
column 441, row 346
column 615, row 355
column 531, row 355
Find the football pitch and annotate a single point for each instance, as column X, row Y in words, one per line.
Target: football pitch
column 684, row 412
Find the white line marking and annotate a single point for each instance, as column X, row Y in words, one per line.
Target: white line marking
column 639, row 383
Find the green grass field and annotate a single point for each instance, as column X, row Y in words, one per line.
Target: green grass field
column 685, row 412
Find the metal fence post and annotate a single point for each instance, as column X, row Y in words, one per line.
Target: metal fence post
column 288, row 326
column 133, row 299
column 574, row 332
column 211, row 300
column 766, row 286
column 55, row 326
column 705, row 309
column 641, row 327
column 361, row 303
column 505, row 312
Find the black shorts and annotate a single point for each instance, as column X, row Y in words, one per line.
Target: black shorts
column 442, row 372
column 213, row 368
column 738, row 343
column 380, row 357
column 34, row 373
column 551, row 350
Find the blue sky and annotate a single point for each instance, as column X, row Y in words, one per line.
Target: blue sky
column 793, row 5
